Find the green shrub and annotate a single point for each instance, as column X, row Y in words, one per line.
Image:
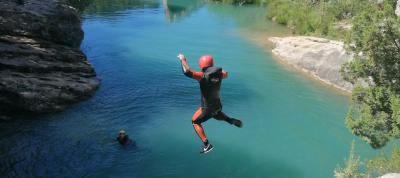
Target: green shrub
column 314, row 17
column 383, row 164
column 378, row 166
column 352, row 167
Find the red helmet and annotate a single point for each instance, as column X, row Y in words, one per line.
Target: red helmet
column 206, row 61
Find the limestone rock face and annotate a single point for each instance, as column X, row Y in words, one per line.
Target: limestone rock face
column 391, row 175
column 320, row 57
column 42, row 68
column 398, row 8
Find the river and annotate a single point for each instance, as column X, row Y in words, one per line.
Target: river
column 293, row 126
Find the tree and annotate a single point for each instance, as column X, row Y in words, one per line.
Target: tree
column 375, row 42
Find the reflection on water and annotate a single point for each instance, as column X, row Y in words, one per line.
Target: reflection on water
column 108, row 6
column 175, row 9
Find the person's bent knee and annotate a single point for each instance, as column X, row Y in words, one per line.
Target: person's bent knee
column 196, row 121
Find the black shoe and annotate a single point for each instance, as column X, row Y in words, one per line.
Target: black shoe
column 237, row 123
column 206, row 149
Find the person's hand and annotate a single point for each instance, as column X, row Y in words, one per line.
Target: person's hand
column 181, row 57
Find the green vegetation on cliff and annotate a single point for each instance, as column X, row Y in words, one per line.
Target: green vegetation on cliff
column 313, row 17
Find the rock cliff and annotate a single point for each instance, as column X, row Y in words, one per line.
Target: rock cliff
column 320, row 57
column 42, row 68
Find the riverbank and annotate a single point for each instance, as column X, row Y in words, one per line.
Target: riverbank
column 42, row 68
column 318, row 59
column 322, row 58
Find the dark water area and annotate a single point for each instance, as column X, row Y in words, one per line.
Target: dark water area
column 293, row 127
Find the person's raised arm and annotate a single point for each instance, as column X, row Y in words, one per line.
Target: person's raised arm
column 187, row 71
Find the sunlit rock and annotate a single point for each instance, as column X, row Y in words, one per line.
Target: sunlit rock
column 320, row 57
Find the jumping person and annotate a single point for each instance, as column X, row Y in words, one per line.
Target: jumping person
column 210, row 79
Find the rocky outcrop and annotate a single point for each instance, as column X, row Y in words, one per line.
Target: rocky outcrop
column 391, row 175
column 398, row 8
column 42, row 68
column 320, row 57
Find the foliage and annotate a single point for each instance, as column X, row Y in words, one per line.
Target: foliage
column 241, row 2
column 315, row 17
column 304, row 19
column 370, row 115
column 375, row 110
column 375, row 167
column 383, row 164
column 352, row 168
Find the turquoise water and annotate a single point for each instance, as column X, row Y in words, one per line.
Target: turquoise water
column 293, row 126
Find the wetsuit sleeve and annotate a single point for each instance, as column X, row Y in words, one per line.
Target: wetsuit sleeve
column 190, row 73
column 224, row 74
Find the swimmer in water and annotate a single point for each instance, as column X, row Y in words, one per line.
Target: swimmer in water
column 123, row 138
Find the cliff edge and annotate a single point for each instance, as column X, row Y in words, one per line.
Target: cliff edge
column 42, row 68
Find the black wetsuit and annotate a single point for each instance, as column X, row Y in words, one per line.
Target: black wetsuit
column 123, row 141
column 210, row 85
